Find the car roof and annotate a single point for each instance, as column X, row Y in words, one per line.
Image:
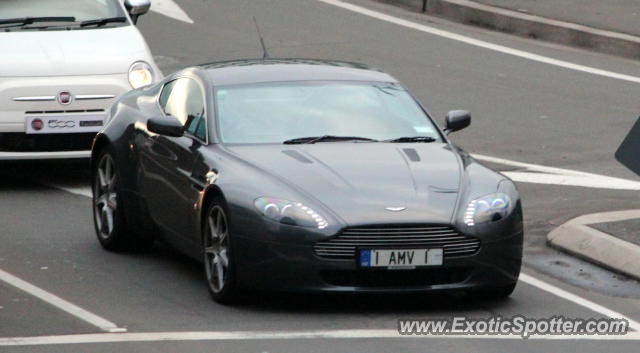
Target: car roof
column 285, row 70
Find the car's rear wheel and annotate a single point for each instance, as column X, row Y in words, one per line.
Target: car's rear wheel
column 218, row 259
column 108, row 214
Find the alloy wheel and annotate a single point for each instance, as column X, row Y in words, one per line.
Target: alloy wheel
column 105, row 197
column 216, row 246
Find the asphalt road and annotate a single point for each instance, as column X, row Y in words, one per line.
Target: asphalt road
column 523, row 110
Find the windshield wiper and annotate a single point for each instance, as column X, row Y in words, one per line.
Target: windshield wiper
column 102, row 21
column 408, row 139
column 385, row 88
column 23, row 21
column 314, row 139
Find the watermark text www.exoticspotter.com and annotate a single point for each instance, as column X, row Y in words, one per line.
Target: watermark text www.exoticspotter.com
column 516, row 325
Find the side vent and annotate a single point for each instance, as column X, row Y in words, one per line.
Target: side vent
column 412, row 154
column 297, row 156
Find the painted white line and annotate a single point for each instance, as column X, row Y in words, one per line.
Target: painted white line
column 535, row 167
column 170, row 9
column 599, row 182
column 60, row 303
column 559, row 176
column 634, row 325
column 480, row 43
column 80, row 190
column 275, row 335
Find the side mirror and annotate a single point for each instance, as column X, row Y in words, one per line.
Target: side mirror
column 167, row 126
column 457, row 120
column 137, row 8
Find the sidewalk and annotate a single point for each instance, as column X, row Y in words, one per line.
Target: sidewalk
column 606, row 26
column 611, row 239
column 614, row 15
column 627, row 230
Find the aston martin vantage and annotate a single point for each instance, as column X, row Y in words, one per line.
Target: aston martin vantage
column 303, row 175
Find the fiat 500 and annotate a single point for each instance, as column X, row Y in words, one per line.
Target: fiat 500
column 63, row 63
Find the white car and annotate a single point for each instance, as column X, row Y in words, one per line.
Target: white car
column 62, row 64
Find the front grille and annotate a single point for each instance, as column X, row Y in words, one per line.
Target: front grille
column 404, row 279
column 344, row 245
column 64, row 111
column 21, row 142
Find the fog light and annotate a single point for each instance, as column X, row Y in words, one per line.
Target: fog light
column 37, row 124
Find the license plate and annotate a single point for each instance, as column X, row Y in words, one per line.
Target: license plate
column 64, row 124
column 400, row 258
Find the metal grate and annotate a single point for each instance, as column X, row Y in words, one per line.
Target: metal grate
column 344, row 245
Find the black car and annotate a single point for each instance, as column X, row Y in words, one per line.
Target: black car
column 303, row 175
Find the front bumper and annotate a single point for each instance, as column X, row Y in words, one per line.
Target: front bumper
column 44, row 155
column 294, row 266
column 23, row 98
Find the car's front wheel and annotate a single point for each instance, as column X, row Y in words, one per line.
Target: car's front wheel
column 108, row 215
column 218, row 260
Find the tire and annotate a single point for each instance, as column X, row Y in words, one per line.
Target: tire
column 108, row 215
column 217, row 253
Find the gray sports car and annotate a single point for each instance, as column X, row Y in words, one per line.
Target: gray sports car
column 303, row 175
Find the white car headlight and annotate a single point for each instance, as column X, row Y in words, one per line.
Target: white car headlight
column 488, row 208
column 288, row 212
column 140, row 74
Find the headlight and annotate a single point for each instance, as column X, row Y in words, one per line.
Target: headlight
column 288, row 212
column 489, row 208
column 140, row 74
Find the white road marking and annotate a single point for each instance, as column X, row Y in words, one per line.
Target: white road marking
column 279, row 335
column 60, row 303
column 480, row 43
column 80, row 190
column 170, row 9
column 540, row 174
column 600, row 182
column 330, row 334
column 530, row 166
column 634, row 325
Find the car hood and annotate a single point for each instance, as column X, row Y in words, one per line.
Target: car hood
column 94, row 51
column 359, row 181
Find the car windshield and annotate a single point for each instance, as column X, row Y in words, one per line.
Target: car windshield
column 81, row 10
column 279, row 112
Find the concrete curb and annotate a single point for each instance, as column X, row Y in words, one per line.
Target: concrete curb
column 577, row 238
column 531, row 26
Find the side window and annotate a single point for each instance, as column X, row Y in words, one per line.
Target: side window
column 183, row 100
